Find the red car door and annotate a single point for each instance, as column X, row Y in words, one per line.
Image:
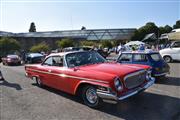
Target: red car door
column 45, row 72
column 54, row 73
column 59, row 78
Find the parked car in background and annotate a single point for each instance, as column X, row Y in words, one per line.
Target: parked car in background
column 68, row 49
column 86, row 73
column 34, row 58
column 11, row 60
column 172, row 52
column 152, row 58
column 102, row 52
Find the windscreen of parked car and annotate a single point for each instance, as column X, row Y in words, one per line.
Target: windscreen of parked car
column 83, row 58
column 12, row 56
column 176, row 45
column 156, row 57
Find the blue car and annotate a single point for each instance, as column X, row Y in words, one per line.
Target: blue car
column 34, row 58
column 152, row 58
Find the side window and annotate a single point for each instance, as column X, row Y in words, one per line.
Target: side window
column 176, row 44
column 125, row 58
column 140, row 58
column 57, row 61
column 48, row 61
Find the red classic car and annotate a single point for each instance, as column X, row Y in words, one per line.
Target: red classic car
column 86, row 73
column 11, row 60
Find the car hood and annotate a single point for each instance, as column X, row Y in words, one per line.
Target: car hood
column 116, row 69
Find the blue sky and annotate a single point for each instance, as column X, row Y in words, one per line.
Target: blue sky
column 50, row 15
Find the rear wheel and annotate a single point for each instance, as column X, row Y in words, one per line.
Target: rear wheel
column 90, row 97
column 167, row 59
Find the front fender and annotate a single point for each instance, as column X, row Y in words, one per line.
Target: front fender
column 83, row 83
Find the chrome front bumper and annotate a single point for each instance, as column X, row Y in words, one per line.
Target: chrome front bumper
column 161, row 74
column 110, row 97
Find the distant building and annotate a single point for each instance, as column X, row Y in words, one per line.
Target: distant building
column 31, row 38
column 174, row 35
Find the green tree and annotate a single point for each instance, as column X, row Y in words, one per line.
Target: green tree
column 165, row 29
column 106, row 44
column 66, row 42
column 83, row 28
column 115, row 43
column 88, row 43
column 168, row 28
column 40, row 47
column 177, row 25
column 162, row 30
column 8, row 45
column 32, row 27
column 150, row 27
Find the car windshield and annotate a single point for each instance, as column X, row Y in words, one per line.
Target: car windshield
column 35, row 55
column 83, row 58
column 156, row 57
column 12, row 56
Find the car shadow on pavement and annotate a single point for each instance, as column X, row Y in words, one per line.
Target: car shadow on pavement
column 175, row 61
column 146, row 105
column 169, row 81
column 8, row 84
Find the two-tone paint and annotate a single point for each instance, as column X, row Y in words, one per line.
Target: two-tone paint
column 100, row 75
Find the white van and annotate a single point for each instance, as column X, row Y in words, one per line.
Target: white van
column 172, row 52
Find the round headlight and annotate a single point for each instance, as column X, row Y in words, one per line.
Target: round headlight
column 117, row 84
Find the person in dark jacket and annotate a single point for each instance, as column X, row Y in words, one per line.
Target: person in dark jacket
column 1, row 77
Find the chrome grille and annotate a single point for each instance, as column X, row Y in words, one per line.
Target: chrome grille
column 135, row 79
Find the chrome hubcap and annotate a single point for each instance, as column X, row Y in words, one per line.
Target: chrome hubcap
column 167, row 59
column 91, row 95
column 38, row 81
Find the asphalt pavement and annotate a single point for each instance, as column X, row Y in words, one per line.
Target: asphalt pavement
column 21, row 99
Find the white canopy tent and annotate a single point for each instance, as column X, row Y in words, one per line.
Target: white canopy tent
column 134, row 43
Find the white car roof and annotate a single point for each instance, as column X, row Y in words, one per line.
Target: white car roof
column 147, row 51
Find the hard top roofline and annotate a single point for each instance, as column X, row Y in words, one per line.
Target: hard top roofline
column 141, row 52
column 65, row 53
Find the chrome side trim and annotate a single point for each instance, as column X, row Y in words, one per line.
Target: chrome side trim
column 133, row 74
column 68, row 76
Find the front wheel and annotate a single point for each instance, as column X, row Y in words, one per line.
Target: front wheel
column 90, row 97
column 167, row 59
column 38, row 81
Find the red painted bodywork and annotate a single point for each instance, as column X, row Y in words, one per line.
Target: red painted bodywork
column 11, row 60
column 101, row 74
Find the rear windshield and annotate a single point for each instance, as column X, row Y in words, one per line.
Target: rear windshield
column 156, row 57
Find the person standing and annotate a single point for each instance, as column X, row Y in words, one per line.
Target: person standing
column 1, row 77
